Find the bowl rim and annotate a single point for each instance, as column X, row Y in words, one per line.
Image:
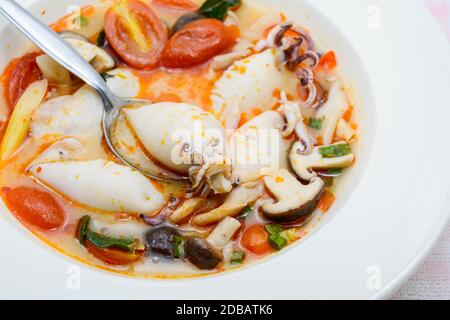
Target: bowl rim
column 442, row 218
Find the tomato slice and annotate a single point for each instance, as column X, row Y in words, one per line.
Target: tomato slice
column 19, row 74
column 112, row 256
column 185, row 5
column 135, row 33
column 35, row 207
column 256, row 240
column 196, row 43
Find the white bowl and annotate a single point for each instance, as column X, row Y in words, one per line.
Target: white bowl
column 389, row 213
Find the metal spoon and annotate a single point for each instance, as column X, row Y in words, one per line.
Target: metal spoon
column 53, row 45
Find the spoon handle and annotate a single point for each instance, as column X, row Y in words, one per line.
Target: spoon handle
column 53, row 45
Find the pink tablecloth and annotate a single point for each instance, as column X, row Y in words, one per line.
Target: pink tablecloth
column 432, row 281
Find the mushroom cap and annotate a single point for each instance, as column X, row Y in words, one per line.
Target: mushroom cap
column 294, row 199
column 301, row 164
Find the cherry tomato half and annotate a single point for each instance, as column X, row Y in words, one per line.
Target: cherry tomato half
column 185, row 5
column 255, row 240
column 195, row 43
column 112, row 256
column 135, row 33
column 19, row 75
column 35, row 207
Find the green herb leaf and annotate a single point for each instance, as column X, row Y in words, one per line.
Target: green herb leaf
column 277, row 241
column 237, row 257
column 101, row 39
column 335, row 150
column 218, row 9
column 81, row 21
column 82, row 227
column 103, row 242
column 245, row 212
column 273, row 229
column 315, row 123
column 178, row 247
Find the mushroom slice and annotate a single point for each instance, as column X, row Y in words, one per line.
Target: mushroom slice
column 302, row 164
column 97, row 57
column 186, row 209
column 201, row 253
column 99, row 184
column 52, row 70
column 332, row 111
column 237, row 200
column 294, row 199
column 223, row 232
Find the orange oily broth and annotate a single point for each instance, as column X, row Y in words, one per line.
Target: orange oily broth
column 191, row 86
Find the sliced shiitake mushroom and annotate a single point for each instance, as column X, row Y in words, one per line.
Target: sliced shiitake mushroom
column 237, row 200
column 302, row 164
column 160, row 240
column 294, row 199
column 201, row 253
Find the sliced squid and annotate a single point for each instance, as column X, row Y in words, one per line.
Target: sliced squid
column 100, row 184
column 332, row 111
column 178, row 135
column 123, row 83
column 74, row 115
column 65, row 149
column 258, row 148
column 252, row 81
column 242, row 49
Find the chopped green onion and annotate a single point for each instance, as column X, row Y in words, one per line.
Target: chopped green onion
column 237, row 257
column 178, row 247
column 81, row 21
column 315, row 123
column 101, row 39
column 277, row 241
column 273, row 229
column 335, row 150
column 245, row 212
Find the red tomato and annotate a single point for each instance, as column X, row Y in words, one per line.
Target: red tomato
column 135, row 33
column 186, row 5
column 195, row 43
column 112, row 256
column 328, row 61
column 35, row 207
column 255, row 240
column 19, row 75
